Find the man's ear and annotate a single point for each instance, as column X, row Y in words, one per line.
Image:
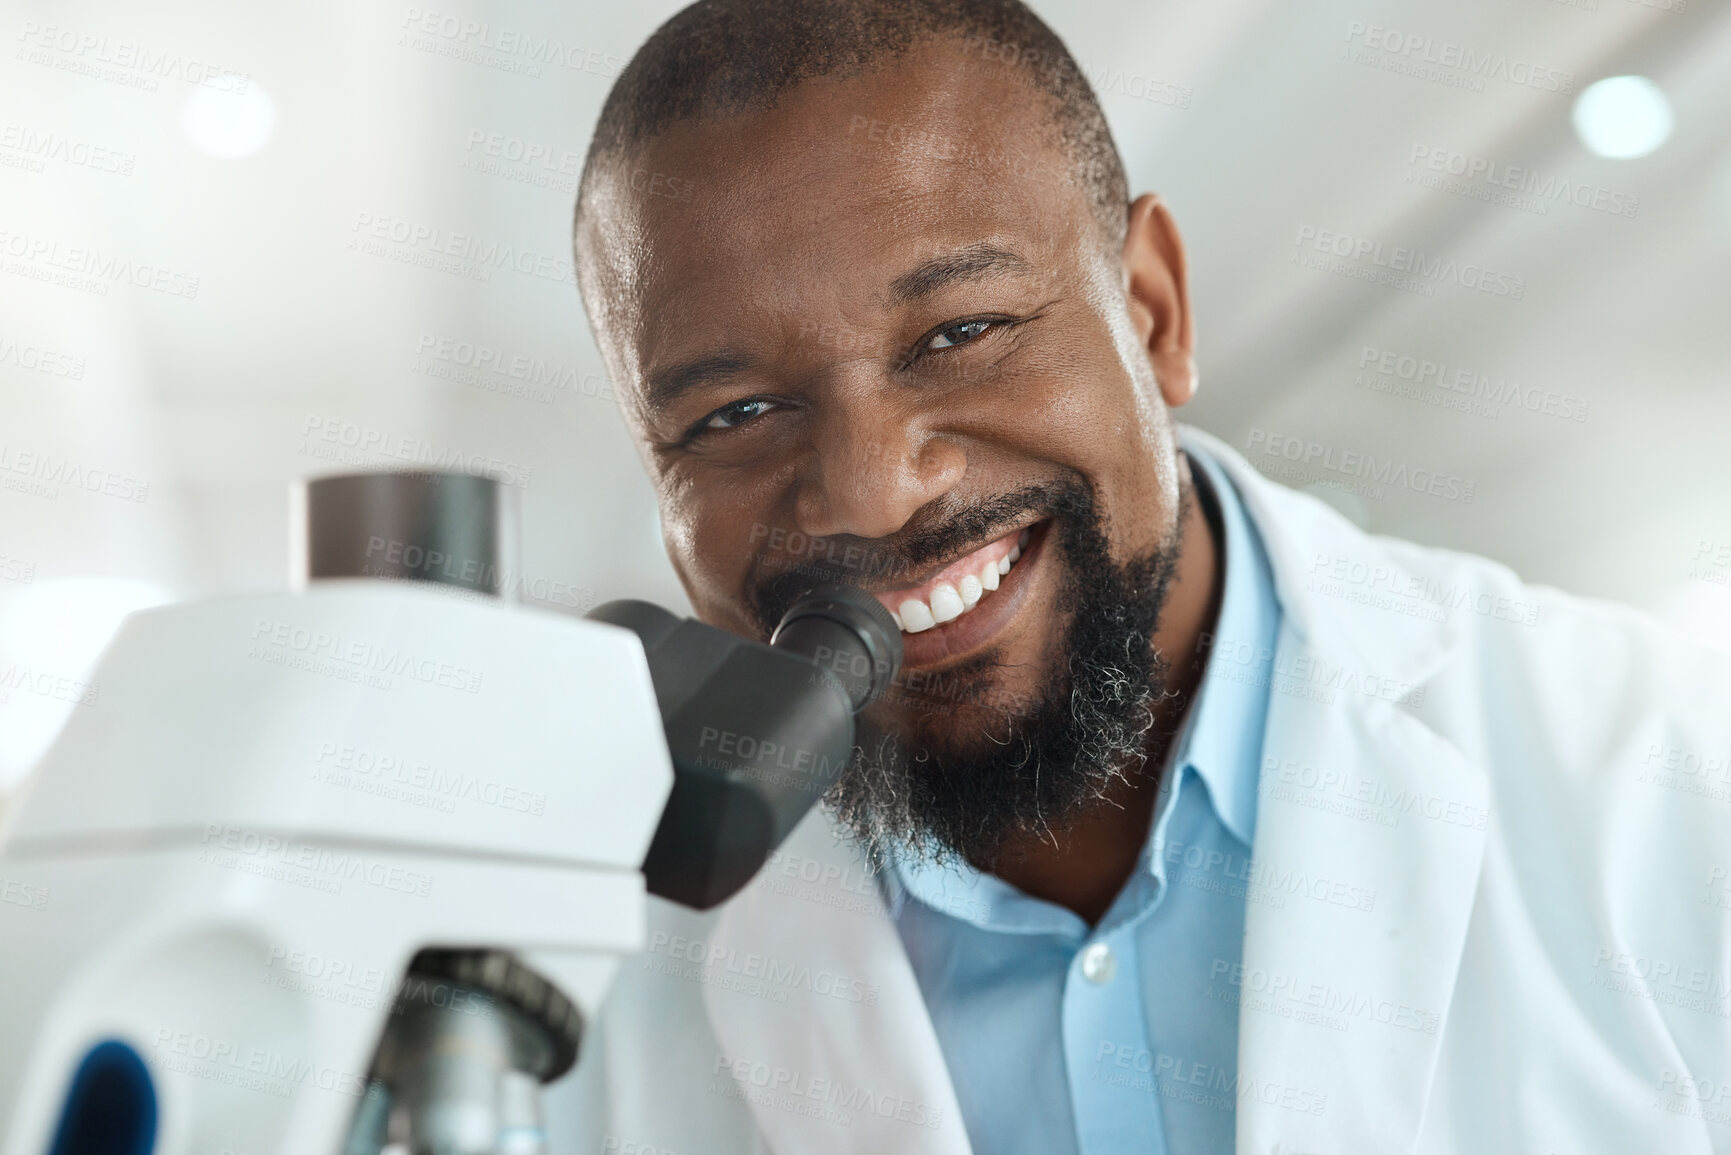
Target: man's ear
column 1159, row 297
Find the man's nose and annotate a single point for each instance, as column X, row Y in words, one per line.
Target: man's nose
column 872, row 467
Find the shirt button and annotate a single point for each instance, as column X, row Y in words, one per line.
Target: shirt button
column 1099, row 964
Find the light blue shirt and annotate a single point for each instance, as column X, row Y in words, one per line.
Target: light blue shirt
column 1064, row 1039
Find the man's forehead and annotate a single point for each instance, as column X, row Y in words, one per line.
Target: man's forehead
column 889, row 168
column 917, row 103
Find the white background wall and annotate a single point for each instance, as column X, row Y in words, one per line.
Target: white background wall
column 269, row 318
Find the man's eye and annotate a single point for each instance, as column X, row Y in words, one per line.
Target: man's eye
column 738, row 413
column 959, row 333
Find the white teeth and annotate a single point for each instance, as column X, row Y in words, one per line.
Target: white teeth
column 949, row 602
column 897, row 618
column 916, row 617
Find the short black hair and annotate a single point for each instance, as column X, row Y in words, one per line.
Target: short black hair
column 718, row 57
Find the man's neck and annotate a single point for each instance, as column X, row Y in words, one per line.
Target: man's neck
column 1083, row 864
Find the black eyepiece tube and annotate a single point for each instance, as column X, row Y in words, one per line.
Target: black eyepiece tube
column 849, row 635
column 756, row 733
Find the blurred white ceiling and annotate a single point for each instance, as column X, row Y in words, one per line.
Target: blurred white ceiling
column 182, row 334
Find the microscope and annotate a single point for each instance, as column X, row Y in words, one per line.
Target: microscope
column 348, row 870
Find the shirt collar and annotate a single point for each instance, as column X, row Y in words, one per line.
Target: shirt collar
column 1222, row 738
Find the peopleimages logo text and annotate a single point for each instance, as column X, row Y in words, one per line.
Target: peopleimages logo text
column 1417, row 262
column 1351, row 463
column 1497, row 175
column 1447, row 54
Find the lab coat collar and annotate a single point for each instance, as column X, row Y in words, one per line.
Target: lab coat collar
column 1341, row 1009
column 1308, row 546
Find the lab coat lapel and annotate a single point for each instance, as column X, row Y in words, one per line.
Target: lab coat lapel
column 1370, row 832
column 1341, row 1008
column 840, row 1055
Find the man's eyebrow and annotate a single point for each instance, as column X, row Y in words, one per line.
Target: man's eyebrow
column 965, row 264
column 667, row 385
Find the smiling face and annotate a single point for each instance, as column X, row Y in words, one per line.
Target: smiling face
column 879, row 338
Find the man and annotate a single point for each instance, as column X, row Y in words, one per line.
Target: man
column 1197, row 820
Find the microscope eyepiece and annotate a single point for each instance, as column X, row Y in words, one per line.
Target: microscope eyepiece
column 849, row 635
column 756, row 733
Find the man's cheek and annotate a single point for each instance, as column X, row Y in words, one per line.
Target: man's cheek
column 711, row 556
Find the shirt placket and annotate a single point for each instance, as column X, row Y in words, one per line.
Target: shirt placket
column 1108, row 1054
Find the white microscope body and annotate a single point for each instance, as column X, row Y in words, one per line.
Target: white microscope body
column 232, row 855
column 345, row 871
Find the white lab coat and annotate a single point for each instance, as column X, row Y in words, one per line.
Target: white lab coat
column 1533, row 787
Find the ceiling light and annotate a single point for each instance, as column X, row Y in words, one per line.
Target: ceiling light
column 1623, row 117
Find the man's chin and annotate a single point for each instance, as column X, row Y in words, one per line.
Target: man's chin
column 967, row 712
column 970, row 737
column 959, row 771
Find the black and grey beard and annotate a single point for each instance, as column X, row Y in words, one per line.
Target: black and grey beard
column 983, row 772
